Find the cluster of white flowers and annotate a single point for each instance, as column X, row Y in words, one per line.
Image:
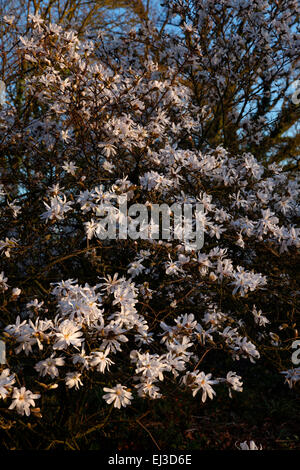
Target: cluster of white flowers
column 3, row 283
column 291, row 376
column 85, row 338
column 22, row 399
column 251, row 446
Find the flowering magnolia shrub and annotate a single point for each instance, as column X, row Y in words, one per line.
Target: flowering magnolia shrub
column 129, row 319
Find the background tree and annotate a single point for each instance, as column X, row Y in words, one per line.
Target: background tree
column 118, row 116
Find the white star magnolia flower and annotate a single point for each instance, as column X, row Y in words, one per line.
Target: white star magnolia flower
column 68, row 333
column 203, row 382
column 49, row 366
column 73, row 380
column 291, row 376
column 118, row 395
column 259, row 318
column 15, row 293
column 57, row 209
column 69, row 167
column 36, row 19
column 147, row 388
column 3, row 279
column 235, row 382
column 100, row 360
